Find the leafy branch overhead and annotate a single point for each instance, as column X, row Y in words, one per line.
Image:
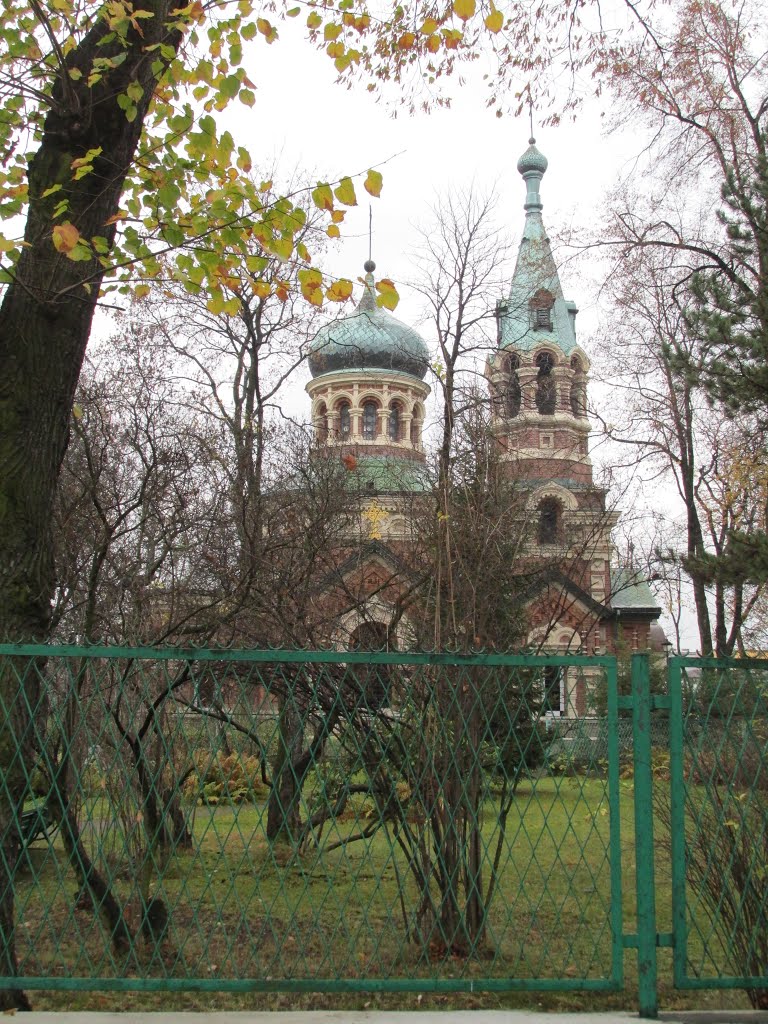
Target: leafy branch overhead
column 189, row 204
column 168, row 69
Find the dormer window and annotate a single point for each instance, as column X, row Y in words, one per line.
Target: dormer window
column 543, row 319
column 541, row 310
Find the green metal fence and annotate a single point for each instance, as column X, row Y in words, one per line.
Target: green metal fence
column 718, row 816
column 292, row 820
column 323, row 821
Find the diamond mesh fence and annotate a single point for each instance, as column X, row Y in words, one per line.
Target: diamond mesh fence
column 315, row 820
column 718, row 821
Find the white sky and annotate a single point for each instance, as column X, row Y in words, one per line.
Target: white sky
column 304, row 119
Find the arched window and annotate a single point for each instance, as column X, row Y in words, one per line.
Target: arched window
column 415, row 427
column 514, row 393
column 370, row 412
column 576, row 365
column 373, row 681
column 321, row 423
column 345, row 420
column 550, row 516
column 546, row 394
column 578, row 399
column 393, row 423
column 553, row 695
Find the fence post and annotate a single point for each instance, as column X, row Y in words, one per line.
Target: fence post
column 644, row 851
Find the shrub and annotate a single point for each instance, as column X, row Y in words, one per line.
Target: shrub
column 229, row 780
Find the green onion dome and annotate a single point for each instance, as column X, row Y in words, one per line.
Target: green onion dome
column 370, row 338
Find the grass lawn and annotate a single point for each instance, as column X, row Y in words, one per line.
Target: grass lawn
column 240, row 909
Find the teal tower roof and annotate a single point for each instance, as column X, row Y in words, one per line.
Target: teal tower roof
column 371, row 338
column 535, row 280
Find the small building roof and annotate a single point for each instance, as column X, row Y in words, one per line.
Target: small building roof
column 630, row 592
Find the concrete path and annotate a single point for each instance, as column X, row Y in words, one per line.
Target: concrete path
column 391, row 1017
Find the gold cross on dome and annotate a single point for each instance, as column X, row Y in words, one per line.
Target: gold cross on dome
column 375, row 516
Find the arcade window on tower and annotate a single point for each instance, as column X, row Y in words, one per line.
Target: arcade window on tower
column 393, row 424
column 546, row 393
column 370, row 412
column 345, row 420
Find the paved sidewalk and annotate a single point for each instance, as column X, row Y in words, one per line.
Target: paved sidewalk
column 392, row 1017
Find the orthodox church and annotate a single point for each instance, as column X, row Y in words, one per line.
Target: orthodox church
column 368, row 395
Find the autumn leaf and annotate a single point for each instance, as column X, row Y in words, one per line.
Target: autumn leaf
column 339, row 291
column 311, row 282
column 345, row 192
column 373, row 183
column 387, row 297
column 322, row 197
column 350, row 462
column 406, row 40
column 464, row 9
column 332, row 231
column 267, row 29
column 115, row 218
column 429, row 26
column 314, row 20
column 433, row 44
column 494, row 21
column 65, row 237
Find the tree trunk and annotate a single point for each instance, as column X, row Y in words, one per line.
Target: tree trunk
column 45, row 322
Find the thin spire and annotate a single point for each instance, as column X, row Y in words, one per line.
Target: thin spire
column 370, row 233
column 530, row 114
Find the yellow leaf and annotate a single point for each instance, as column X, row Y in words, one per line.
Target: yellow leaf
column 331, row 32
column 261, row 289
column 6, row 245
column 406, row 41
column 332, row 231
column 373, row 183
column 433, row 44
column 387, row 297
column 322, row 197
column 314, row 20
column 311, row 282
column 337, row 216
column 429, row 26
column 495, row 20
column 464, row 9
column 65, row 237
column 115, row 218
column 267, row 29
column 345, row 192
column 141, row 290
column 339, row 291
